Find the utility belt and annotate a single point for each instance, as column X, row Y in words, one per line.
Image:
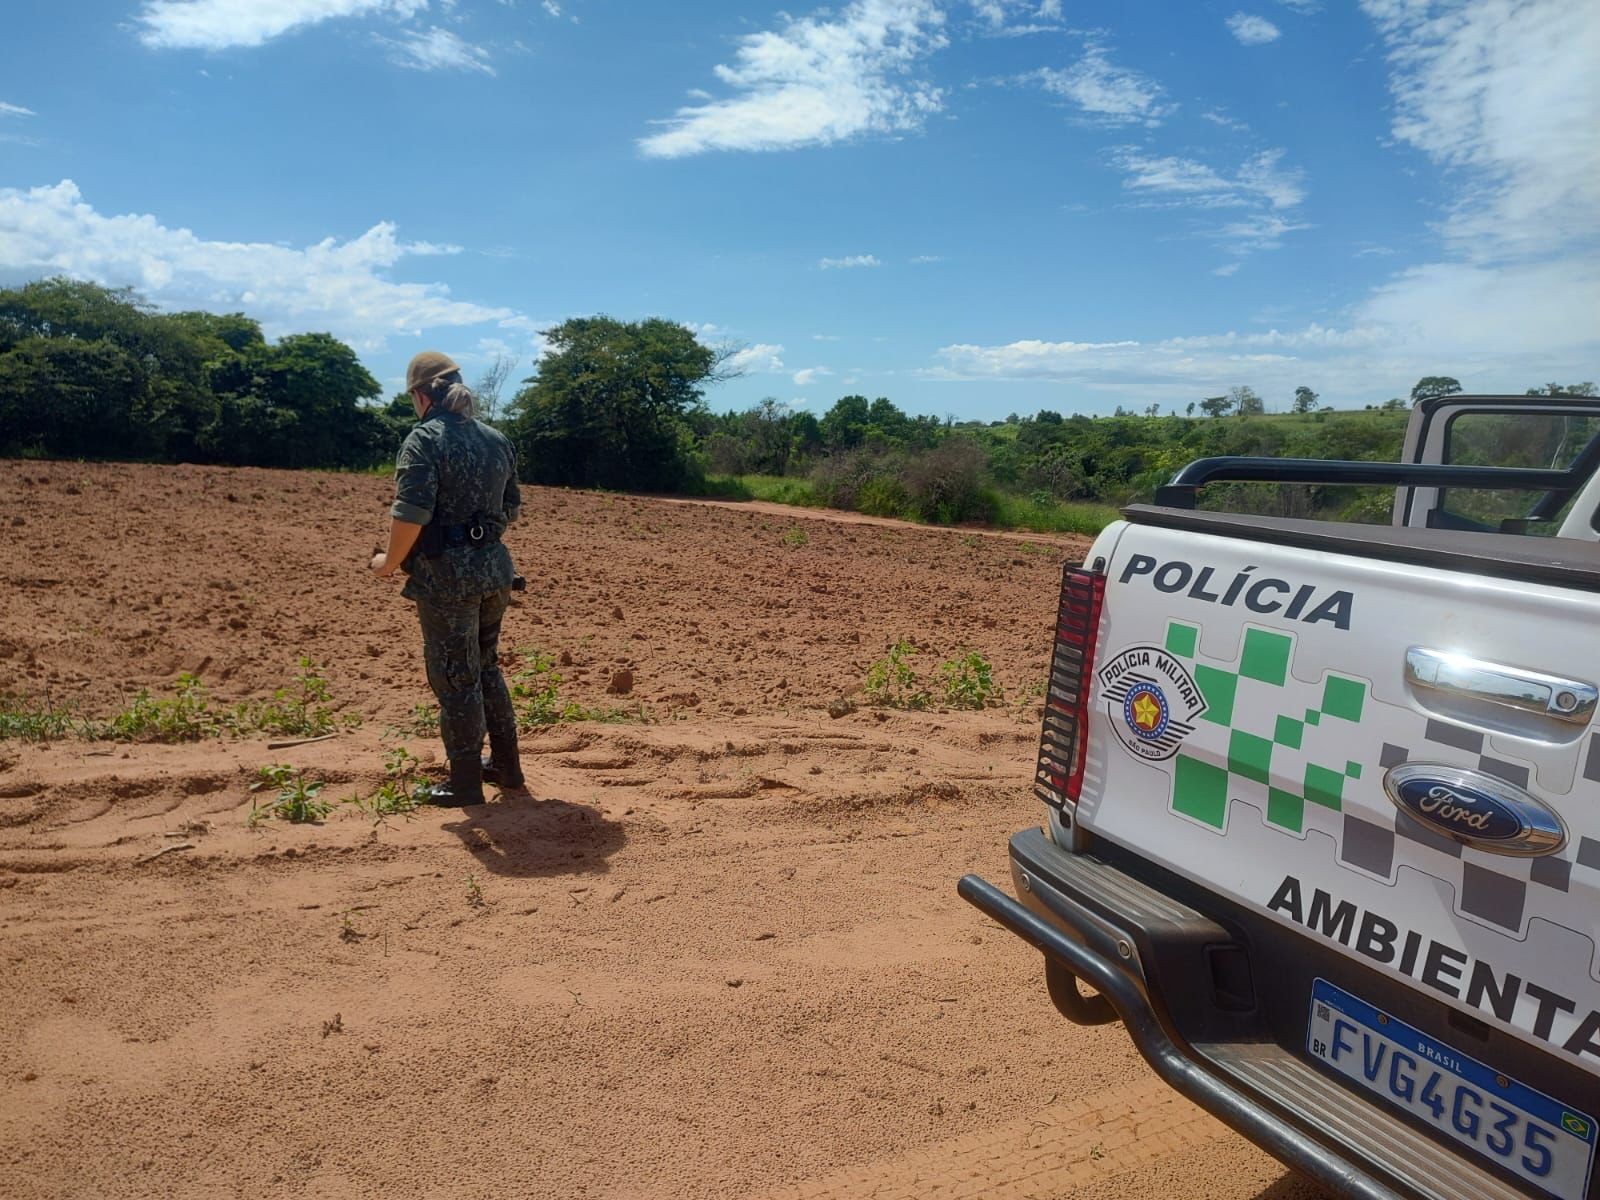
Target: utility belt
column 436, row 538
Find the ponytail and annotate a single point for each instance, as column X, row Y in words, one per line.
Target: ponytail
column 449, row 394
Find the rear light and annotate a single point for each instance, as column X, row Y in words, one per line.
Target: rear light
column 1063, row 745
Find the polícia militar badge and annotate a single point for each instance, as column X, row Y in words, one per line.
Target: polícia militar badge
column 1151, row 700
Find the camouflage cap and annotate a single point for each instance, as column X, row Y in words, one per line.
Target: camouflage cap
column 426, row 367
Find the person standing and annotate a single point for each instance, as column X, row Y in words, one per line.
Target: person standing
column 455, row 493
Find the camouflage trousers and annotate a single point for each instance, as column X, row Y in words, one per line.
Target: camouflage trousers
column 461, row 647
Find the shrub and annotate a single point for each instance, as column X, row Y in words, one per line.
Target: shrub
column 946, row 484
column 299, row 711
column 883, row 496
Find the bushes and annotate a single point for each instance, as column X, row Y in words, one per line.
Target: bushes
column 945, row 485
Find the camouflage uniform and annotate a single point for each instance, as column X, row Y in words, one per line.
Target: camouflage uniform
column 450, row 470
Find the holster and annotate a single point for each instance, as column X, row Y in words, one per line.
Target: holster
column 437, row 537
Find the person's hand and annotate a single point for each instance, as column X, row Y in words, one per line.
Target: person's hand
column 381, row 567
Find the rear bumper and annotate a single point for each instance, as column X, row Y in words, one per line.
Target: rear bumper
column 1143, row 952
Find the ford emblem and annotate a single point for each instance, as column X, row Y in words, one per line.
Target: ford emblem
column 1475, row 809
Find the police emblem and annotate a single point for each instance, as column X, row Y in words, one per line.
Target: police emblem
column 1151, row 699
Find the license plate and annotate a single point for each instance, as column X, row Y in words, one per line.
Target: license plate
column 1539, row 1140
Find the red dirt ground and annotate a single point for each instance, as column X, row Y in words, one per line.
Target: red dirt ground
column 715, row 953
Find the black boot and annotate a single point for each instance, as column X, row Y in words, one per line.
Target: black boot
column 501, row 766
column 465, row 786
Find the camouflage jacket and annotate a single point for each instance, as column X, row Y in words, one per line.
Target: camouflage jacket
column 451, row 468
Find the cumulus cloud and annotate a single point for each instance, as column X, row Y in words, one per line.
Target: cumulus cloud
column 1106, row 92
column 339, row 286
column 1253, row 30
column 1507, row 98
column 805, row 376
column 817, row 80
column 762, row 358
column 435, row 50
column 220, row 24
column 849, row 261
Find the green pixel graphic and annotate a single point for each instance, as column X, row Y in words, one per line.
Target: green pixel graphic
column 1200, row 784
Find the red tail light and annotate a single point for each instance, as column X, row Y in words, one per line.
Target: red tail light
column 1063, row 744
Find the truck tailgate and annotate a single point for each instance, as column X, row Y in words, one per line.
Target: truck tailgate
column 1249, row 702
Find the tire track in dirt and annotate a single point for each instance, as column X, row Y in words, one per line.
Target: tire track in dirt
column 1056, row 1152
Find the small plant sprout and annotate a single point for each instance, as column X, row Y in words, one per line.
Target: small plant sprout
column 402, row 792
column 968, row 681
column 892, row 682
column 795, row 536
column 296, row 801
column 475, row 892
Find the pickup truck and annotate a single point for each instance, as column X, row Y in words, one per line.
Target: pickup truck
column 1322, row 808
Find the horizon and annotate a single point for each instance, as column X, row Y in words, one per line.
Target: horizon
column 979, row 208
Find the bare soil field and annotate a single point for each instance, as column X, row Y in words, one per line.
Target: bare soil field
column 715, row 951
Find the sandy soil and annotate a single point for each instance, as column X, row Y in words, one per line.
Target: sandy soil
column 715, row 953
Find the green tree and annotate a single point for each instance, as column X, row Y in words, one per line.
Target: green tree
column 1217, row 406
column 844, row 426
column 1431, row 386
column 1245, row 402
column 610, row 404
column 1305, row 400
column 1563, row 389
column 1393, row 404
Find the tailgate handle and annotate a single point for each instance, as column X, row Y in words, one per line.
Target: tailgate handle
column 1531, row 691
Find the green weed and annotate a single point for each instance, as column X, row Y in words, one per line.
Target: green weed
column 536, row 697
column 795, row 536
column 892, row 682
column 968, row 681
column 402, row 793
column 302, row 710
column 35, row 720
column 296, row 800
column 185, row 717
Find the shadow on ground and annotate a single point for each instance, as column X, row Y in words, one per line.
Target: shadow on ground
column 525, row 837
column 1293, row 1186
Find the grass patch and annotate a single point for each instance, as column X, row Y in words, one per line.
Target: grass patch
column 1040, row 515
column 775, row 489
column 303, row 709
column 27, row 720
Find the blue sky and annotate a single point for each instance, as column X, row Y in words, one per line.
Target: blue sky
column 975, row 207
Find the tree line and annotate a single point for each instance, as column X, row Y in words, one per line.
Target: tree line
column 92, row 372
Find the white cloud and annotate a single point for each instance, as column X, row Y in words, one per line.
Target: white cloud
column 805, row 376
column 1506, row 97
column 1253, row 30
column 219, row 24
column 849, row 261
column 1495, row 329
column 1106, row 92
column 435, row 50
column 338, row 286
column 551, row 7
column 1217, row 117
column 818, row 80
column 825, row 337
column 1226, row 269
column 762, row 357
column 928, row 258
column 15, row 110
column 1303, row 7
column 1262, row 186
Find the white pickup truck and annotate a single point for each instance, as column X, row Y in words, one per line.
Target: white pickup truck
column 1323, row 808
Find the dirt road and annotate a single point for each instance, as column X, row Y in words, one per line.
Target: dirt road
column 717, row 952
